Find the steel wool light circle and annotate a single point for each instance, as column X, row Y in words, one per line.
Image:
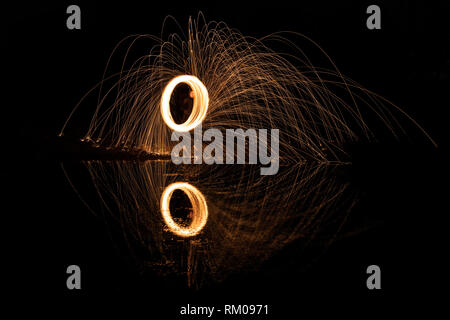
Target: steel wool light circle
column 199, row 209
column 199, row 108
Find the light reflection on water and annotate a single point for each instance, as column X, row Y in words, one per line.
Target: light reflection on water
column 236, row 218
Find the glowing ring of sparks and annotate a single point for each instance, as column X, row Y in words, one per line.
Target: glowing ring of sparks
column 199, row 107
column 199, row 209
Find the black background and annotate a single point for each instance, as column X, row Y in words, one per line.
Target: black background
column 50, row 67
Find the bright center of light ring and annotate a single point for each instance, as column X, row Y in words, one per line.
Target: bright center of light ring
column 199, row 209
column 199, row 107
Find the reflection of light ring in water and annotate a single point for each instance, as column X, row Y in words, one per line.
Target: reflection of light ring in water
column 199, row 209
column 199, row 108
